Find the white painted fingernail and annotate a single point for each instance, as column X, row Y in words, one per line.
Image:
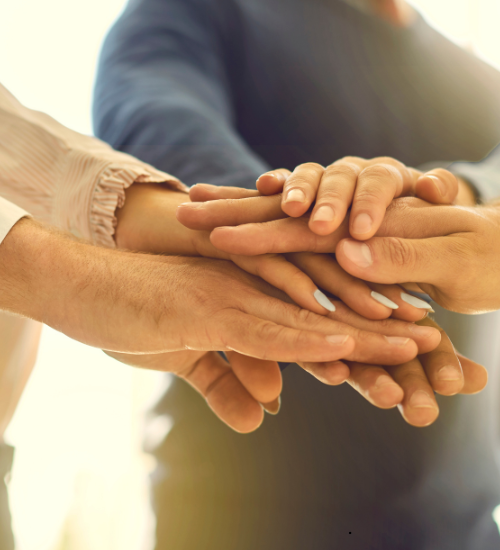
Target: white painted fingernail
column 324, row 301
column 384, row 300
column 337, row 338
column 415, row 302
column 295, row 195
column 397, row 340
column 324, row 214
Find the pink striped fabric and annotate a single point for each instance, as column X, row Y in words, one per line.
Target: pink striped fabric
column 73, row 181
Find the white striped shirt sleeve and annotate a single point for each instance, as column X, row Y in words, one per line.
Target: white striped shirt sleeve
column 72, row 181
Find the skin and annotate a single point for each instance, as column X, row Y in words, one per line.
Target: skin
column 139, row 304
column 438, row 371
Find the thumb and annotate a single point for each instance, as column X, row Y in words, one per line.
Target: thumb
column 393, row 260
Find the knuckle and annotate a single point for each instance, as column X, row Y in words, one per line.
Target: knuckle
column 401, row 253
column 310, row 167
column 342, row 170
column 356, row 161
column 298, row 181
column 381, row 172
column 369, row 195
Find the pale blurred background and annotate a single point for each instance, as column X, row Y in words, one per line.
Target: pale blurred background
column 80, row 477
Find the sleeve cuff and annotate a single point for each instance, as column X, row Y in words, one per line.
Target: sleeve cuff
column 109, row 194
column 10, row 214
column 94, row 188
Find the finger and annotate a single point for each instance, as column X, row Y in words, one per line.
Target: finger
column 280, row 273
column 426, row 338
column 272, row 182
column 375, row 385
column 442, row 366
column 265, row 339
column 475, row 376
column 279, row 236
column 262, row 379
column 334, row 197
column 368, row 347
column 273, row 407
column 412, row 218
column 437, row 186
column 406, row 306
column 202, row 192
column 207, row 215
column 376, row 187
column 393, row 260
column 419, row 406
column 333, row 373
column 328, row 275
column 405, row 218
column 225, row 394
column 212, row 377
column 299, row 190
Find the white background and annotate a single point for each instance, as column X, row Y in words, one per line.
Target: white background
column 79, row 476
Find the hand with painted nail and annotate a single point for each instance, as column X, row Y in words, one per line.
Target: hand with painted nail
column 365, row 186
column 300, row 275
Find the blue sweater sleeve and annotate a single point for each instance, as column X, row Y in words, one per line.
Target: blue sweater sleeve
column 162, row 94
column 483, row 175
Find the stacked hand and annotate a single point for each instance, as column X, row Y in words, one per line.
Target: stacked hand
column 370, row 186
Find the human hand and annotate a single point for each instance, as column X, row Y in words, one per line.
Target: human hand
column 136, row 303
column 236, row 390
column 299, row 275
column 452, row 253
column 411, row 386
column 233, row 389
column 365, row 186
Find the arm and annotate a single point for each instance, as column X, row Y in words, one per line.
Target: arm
column 162, row 93
column 72, row 181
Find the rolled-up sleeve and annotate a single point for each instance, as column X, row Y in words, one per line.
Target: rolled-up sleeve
column 483, row 175
column 72, row 181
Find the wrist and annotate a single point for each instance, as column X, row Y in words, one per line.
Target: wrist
column 147, row 221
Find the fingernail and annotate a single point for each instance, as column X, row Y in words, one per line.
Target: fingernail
column 425, row 332
column 449, row 373
column 324, row 214
column 439, row 183
column 358, row 253
column 192, row 204
column 324, row 301
column 295, row 195
column 422, row 400
column 337, row 339
column 397, row 340
column 273, row 407
column 384, row 300
column 362, row 224
column 415, row 302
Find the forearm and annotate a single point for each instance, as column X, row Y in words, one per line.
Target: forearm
column 147, row 222
column 162, row 94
